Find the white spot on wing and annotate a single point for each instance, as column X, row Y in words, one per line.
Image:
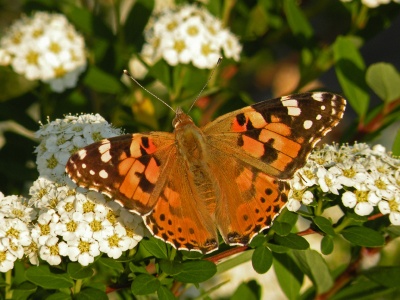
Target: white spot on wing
column 318, row 117
column 82, row 153
column 318, row 96
column 106, row 157
column 307, row 124
column 294, row 111
column 103, row 174
column 290, row 102
column 323, row 107
column 83, row 166
column 91, row 172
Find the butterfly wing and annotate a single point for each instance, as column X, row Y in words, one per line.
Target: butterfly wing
column 145, row 173
column 276, row 136
column 128, row 168
column 260, row 146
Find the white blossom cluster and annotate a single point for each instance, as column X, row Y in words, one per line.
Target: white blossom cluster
column 366, row 179
column 60, row 219
column 62, row 137
column 374, row 3
column 44, row 47
column 15, row 217
column 79, row 224
column 188, row 34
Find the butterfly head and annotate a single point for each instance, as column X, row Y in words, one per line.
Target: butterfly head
column 181, row 118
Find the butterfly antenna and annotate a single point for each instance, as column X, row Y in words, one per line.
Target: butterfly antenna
column 155, row 96
column 208, row 80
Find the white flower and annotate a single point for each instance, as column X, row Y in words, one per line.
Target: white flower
column 83, row 250
column 47, row 47
column 50, row 251
column 115, row 242
column 349, row 173
column 362, row 200
column 7, row 259
column 328, row 181
column 391, row 206
column 188, row 34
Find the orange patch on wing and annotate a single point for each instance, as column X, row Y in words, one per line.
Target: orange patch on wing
column 151, row 148
column 131, row 180
column 172, row 197
column 281, row 143
column 283, row 129
column 281, row 162
column 257, row 120
column 141, row 196
column 252, row 146
column 125, row 165
column 236, row 127
column 244, row 180
column 152, row 171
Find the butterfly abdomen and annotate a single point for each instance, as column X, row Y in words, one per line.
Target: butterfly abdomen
column 192, row 147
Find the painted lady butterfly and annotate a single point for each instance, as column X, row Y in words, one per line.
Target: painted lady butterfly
column 229, row 174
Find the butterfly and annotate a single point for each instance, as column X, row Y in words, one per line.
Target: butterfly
column 229, row 176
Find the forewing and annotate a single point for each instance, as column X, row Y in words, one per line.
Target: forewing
column 276, row 136
column 128, row 168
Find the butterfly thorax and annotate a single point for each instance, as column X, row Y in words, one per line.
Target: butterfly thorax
column 191, row 145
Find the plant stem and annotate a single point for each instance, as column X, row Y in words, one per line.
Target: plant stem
column 8, row 290
column 78, row 286
column 346, row 221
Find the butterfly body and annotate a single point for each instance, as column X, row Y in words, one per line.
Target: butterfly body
column 228, row 176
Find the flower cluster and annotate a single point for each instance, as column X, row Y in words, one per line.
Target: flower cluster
column 365, row 179
column 59, row 219
column 188, row 34
column 44, row 47
column 79, row 224
column 62, row 137
column 15, row 216
column 374, row 3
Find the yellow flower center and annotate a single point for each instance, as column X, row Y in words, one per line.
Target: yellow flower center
column 193, row 30
column 88, row 207
column 54, row 250
column 361, row 196
column 52, row 162
column 84, row 246
column 12, row 232
column 44, row 229
column 54, row 47
column 71, row 226
column 113, row 240
column 179, row 46
column 95, row 225
column 32, row 57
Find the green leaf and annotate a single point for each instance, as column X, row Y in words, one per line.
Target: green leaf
column 101, row 81
column 386, row 276
column 23, row 290
column 394, row 230
column 384, row 80
column 289, row 275
column 298, row 23
column 244, row 292
column 171, row 267
column 363, row 289
column 261, row 259
column 277, row 248
column 281, row 228
column 156, row 247
column 314, row 265
column 165, row 294
column 350, row 70
column 137, row 269
column 292, row 241
column 144, row 284
column 396, row 144
column 324, row 224
column 58, row 296
column 257, row 241
column 327, row 245
column 196, row 271
column 288, row 217
column 111, row 263
column 91, row 294
column 161, row 71
column 363, row 236
column 46, row 278
column 77, row 271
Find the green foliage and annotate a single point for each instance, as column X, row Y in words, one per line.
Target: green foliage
column 279, row 38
